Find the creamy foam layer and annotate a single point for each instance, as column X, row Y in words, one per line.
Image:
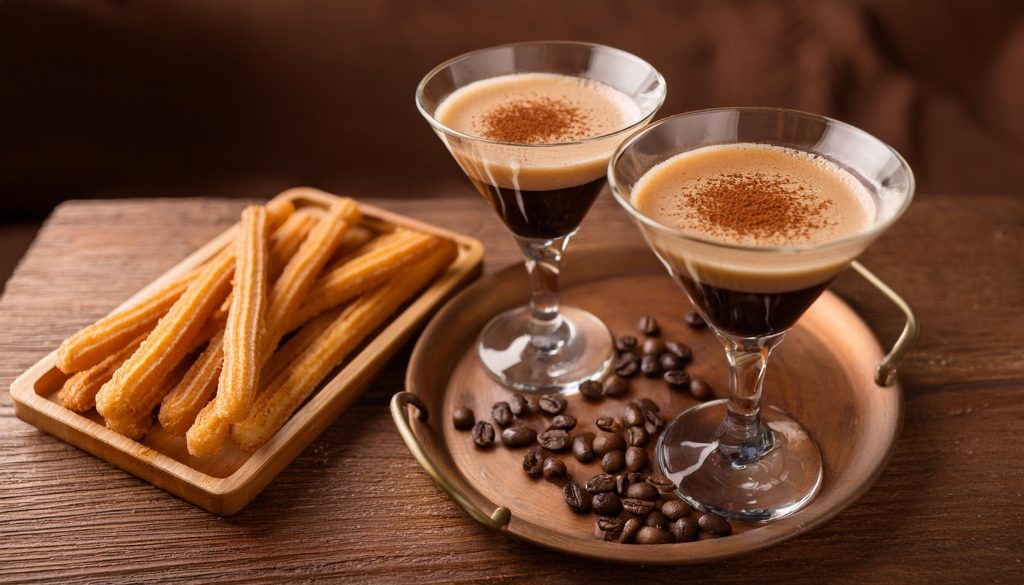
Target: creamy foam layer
column 505, row 107
column 815, row 201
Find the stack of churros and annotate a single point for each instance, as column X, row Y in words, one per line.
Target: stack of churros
column 232, row 349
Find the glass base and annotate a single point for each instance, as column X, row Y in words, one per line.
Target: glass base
column 783, row 480
column 584, row 351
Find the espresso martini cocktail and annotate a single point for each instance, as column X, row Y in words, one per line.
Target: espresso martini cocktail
column 533, row 126
column 544, row 192
column 753, row 211
column 760, row 196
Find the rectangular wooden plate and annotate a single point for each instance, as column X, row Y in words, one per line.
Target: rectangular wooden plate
column 225, row 484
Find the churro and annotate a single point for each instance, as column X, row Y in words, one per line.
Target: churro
column 291, row 387
column 291, row 288
column 138, row 379
column 180, row 406
column 110, row 334
column 135, row 426
column 243, row 336
column 79, row 391
column 208, row 435
column 375, row 263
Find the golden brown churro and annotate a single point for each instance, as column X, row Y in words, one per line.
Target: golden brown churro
column 288, row 390
column 243, row 336
column 180, row 406
column 79, row 391
column 375, row 263
column 134, row 426
column 110, row 334
column 209, row 434
column 133, row 385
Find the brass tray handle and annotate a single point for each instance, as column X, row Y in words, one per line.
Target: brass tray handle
column 885, row 374
column 495, row 520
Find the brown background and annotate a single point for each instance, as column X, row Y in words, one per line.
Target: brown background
column 137, row 99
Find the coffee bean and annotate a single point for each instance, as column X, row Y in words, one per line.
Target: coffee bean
column 669, row 361
column 607, row 528
column 606, row 504
column 647, row 404
column 533, row 462
column 592, row 390
column 627, row 365
column 600, row 483
column 532, row 405
column 693, row 319
column 652, row 535
column 681, row 350
column 660, row 483
column 463, row 418
column 624, row 480
column 518, row 436
column 700, row 389
column 715, row 524
column 613, row 461
column 677, row 379
column 637, row 436
column 653, row 346
column 629, row 530
column 650, row 366
column 615, row 386
column 637, row 506
column 636, row 458
column 642, row 491
column 583, row 447
column 684, row 529
column 648, row 326
column 656, row 518
column 608, row 423
column 576, row 497
column 554, row 439
column 519, row 406
column 483, row 434
column 625, row 343
column 554, row 469
column 632, row 415
column 501, row 414
column 606, row 442
column 675, row 509
column 565, row 422
column 552, row 405
column 654, row 422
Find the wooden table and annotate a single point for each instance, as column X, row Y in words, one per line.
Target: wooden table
column 356, row 506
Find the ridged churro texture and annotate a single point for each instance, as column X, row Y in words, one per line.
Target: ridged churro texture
column 135, row 383
column 179, row 408
column 243, row 336
column 208, row 435
column 79, row 391
column 112, row 333
column 289, row 389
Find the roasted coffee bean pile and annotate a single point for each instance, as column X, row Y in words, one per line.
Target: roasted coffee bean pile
column 632, row 504
column 656, row 357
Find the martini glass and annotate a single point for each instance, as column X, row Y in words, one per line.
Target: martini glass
column 542, row 192
column 732, row 456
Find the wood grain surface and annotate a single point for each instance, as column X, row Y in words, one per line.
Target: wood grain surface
column 355, row 507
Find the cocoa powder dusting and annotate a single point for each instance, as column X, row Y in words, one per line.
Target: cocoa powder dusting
column 757, row 205
column 540, row 120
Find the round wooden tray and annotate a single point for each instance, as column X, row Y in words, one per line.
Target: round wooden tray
column 822, row 374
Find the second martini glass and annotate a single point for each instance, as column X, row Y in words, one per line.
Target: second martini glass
column 541, row 190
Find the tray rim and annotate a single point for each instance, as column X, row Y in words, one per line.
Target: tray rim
column 225, row 496
column 412, row 421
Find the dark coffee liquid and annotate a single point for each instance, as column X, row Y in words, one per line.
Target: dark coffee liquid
column 751, row 314
column 542, row 214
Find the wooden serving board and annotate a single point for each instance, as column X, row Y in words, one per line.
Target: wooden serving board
column 822, row 374
column 225, row 484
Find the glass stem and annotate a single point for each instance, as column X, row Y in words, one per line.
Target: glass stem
column 543, row 264
column 742, row 437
